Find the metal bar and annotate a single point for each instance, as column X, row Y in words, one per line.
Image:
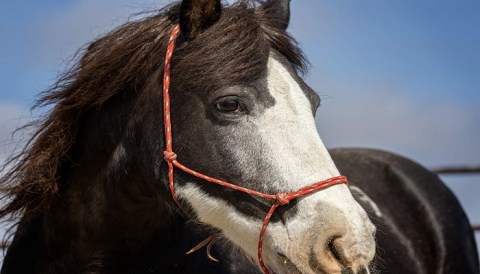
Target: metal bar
column 456, row 169
column 476, row 227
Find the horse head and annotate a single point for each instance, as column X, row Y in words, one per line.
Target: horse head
column 240, row 113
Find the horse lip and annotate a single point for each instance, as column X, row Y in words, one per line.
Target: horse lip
column 287, row 264
column 286, row 261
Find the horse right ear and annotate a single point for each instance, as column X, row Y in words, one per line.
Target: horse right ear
column 198, row 15
column 280, row 9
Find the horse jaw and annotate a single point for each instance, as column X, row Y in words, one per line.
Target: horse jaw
column 303, row 242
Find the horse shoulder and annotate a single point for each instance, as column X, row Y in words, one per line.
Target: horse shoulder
column 421, row 226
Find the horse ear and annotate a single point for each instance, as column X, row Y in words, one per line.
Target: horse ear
column 281, row 10
column 197, row 15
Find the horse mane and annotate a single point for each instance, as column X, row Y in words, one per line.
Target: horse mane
column 119, row 62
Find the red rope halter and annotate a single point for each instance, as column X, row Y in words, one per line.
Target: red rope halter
column 280, row 199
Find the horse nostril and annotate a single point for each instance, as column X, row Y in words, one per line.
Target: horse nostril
column 280, row 254
column 334, row 245
column 334, row 249
column 343, row 252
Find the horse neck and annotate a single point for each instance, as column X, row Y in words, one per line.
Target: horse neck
column 108, row 210
column 101, row 219
column 117, row 232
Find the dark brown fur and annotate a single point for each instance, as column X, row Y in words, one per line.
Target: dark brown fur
column 196, row 15
column 121, row 63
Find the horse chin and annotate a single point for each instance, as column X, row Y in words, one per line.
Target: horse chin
column 284, row 265
column 281, row 265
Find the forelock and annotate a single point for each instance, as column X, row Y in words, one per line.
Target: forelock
column 234, row 51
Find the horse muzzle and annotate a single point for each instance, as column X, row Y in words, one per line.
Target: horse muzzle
column 335, row 241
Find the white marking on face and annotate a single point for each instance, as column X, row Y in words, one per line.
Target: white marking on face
column 237, row 227
column 289, row 132
column 297, row 154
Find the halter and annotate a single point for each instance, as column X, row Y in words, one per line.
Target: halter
column 280, row 199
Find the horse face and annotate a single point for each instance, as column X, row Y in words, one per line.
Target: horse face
column 261, row 134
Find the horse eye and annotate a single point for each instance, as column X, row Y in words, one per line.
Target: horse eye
column 229, row 105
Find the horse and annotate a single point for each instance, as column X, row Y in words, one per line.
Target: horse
column 93, row 189
column 217, row 88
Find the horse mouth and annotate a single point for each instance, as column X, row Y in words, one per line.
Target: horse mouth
column 289, row 267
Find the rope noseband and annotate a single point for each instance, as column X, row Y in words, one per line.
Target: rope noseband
column 280, row 199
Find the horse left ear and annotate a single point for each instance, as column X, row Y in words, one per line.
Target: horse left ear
column 281, row 10
column 197, row 15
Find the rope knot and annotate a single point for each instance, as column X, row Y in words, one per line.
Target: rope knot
column 169, row 156
column 282, row 198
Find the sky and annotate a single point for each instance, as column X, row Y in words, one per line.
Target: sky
column 398, row 75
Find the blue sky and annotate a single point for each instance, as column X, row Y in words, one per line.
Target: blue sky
column 401, row 75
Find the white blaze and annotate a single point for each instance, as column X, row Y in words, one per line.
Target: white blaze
column 288, row 129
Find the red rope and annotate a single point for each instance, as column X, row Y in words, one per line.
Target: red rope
column 280, row 199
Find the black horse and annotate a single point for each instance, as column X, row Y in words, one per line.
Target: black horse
column 91, row 189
